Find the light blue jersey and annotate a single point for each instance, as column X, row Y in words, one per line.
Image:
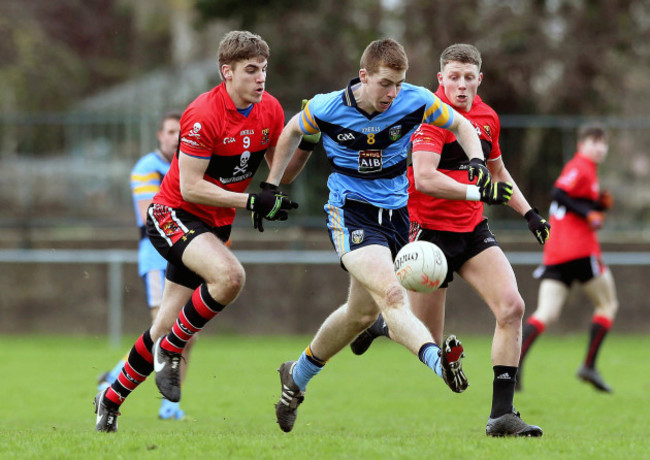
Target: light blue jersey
column 368, row 153
column 146, row 176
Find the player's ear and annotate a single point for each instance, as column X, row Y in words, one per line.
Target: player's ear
column 226, row 71
column 363, row 76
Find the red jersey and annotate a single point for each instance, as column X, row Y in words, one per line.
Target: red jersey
column 572, row 236
column 452, row 215
column 234, row 145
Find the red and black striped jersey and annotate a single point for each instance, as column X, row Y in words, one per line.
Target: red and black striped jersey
column 452, row 215
column 234, row 145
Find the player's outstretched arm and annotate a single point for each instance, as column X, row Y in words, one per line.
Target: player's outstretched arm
column 286, row 146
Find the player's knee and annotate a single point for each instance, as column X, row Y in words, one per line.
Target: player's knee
column 511, row 311
column 394, row 295
column 228, row 282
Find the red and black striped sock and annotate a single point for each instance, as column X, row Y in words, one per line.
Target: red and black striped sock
column 136, row 369
column 532, row 330
column 193, row 317
column 600, row 325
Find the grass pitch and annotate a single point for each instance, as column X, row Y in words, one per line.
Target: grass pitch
column 385, row 404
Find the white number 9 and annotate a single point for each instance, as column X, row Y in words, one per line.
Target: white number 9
column 247, row 142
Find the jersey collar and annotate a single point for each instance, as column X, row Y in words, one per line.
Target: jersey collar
column 348, row 94
column 350, row 101
column 230, row 105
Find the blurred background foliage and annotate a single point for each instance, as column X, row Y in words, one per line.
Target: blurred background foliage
column 82, row 84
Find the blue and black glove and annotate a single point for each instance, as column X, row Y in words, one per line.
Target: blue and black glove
column 538, row 225
column 308, row 141
column 270, row 204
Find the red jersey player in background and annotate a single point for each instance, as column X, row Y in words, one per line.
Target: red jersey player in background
column 446, row 209
column 225, row 134
column 573, row 254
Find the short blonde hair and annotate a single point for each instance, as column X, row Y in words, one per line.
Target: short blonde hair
column 386, row 52
column 239, row 45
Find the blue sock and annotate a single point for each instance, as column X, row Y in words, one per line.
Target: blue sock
column 428, row 354
column 306, row 368
column 115, row 372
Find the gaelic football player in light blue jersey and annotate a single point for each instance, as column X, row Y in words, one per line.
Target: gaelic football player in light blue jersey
column 366, row 129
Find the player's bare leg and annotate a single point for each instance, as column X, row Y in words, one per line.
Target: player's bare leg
column 491, row 275
column 551, row 297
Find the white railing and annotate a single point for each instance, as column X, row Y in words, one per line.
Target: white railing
column 116, row 258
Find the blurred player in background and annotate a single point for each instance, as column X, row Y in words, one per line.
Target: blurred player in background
column 573, row 254
column 366, row 130
column 225, row 134
column 446, row 209
column 146, row 176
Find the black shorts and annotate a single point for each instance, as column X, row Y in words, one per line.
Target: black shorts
column 170, row 231
column 358, row 224
column 581, row 270
column 458, row 247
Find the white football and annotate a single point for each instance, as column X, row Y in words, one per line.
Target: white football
column 421, row 266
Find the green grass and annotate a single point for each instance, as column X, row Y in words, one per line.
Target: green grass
column 383, row 405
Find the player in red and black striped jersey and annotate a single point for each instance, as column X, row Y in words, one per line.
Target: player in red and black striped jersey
column 225, row 134
column 446, row 208
column 573, row 254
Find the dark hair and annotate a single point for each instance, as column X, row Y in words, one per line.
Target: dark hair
column 385, row 52
column 595, row 131
column 171, row 115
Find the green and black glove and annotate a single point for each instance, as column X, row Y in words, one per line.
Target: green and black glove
column 478, row 169
column 270, row 204
column 496, row 193
column 538, row 225
column 308, row 141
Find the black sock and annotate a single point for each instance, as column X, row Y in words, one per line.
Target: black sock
column 379, row 327
column 503, row 390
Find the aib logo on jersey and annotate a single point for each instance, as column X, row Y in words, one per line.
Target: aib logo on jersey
column 370, row 161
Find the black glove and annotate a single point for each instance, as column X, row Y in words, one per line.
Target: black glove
column 478, row 169
column 497, row 193
column 538, row 225
column 270, row 204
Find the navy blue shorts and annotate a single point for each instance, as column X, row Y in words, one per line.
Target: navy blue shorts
column 458, row 247
column 581, row 270
column 358, row 224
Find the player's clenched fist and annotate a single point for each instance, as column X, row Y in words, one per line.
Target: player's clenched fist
column 270, row 204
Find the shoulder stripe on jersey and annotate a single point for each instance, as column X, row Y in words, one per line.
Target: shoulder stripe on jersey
column 145, row 177
column 307, row 123
column 441, row 114
column 146, row 189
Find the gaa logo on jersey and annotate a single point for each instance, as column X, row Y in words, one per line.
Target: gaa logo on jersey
column 357, row 236
column 370, row 161
column 265, row 135
column 395, row 132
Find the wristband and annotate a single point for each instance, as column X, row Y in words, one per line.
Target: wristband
column 306, row 145
column 473, row 193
